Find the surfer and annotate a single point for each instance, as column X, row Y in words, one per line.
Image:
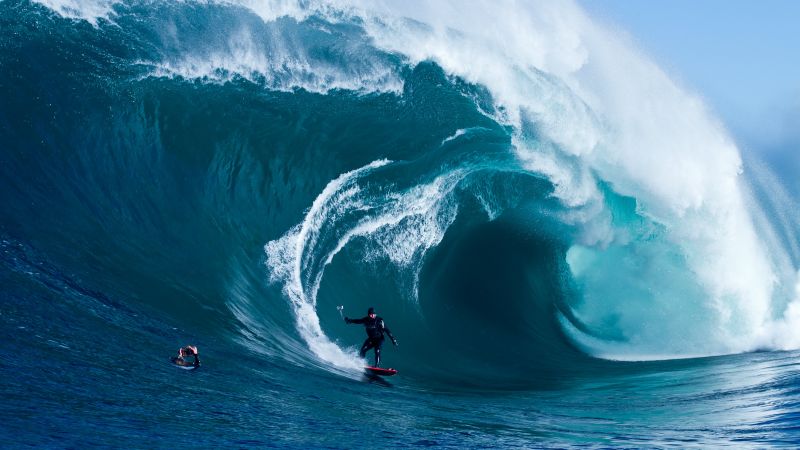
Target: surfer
column 183, row 353
column 375, row 329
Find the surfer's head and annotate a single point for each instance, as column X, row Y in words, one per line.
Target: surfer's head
column 189, row 350
column 371, row 312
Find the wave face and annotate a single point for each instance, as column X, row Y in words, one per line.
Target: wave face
column 523, row 196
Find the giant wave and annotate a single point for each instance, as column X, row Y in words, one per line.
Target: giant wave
column 520, row 188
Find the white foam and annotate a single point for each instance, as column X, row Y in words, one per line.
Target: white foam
column 271, row 10
column 784, row 333
column 279, row 65
column 89, row 10
column 460, row 132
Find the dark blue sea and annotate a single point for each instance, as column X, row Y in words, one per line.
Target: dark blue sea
column 571, row 250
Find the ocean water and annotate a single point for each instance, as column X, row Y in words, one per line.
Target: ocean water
column 570, row 248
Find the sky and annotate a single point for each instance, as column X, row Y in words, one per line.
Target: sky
column 741, row 56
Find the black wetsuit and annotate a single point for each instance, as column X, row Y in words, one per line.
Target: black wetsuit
column 375, row 329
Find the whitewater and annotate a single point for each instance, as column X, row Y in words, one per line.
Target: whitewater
column 569, row 245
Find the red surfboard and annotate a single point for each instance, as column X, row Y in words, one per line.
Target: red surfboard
column 380, row 371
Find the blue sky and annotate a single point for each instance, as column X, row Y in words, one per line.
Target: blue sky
column 742, row 56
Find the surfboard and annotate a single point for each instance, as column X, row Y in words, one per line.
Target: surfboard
column 174, row 361
column 380, row 371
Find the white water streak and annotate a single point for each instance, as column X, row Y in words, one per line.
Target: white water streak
column 401, row 226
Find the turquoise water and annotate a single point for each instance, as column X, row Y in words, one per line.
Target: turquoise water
column 570, row 251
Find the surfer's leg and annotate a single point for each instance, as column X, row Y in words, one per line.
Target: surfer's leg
column 378, row 344
column 366, row 346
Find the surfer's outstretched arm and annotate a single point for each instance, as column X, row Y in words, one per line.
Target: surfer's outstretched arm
column 361, row 320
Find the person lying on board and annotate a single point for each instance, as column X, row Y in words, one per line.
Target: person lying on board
column 375, row 327
column 183, row 353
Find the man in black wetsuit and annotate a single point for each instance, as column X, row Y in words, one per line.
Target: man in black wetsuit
column 375, row 329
